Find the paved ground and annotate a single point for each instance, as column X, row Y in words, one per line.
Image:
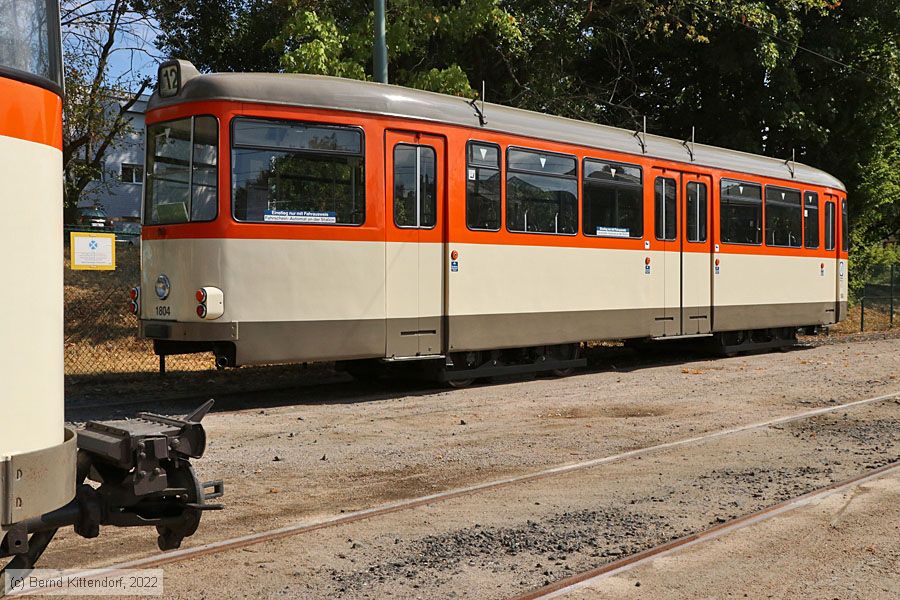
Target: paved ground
column 307, row 452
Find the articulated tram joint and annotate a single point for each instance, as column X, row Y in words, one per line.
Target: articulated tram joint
column 142, row 476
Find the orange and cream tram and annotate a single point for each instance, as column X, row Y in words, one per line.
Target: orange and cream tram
column 140, row 468
column 293, row 218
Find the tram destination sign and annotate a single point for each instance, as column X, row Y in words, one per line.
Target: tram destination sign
column 92, row 251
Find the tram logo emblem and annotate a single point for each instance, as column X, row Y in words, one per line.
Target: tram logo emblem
column 92, row 244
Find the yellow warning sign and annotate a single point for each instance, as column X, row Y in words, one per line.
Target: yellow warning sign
column 92, row 251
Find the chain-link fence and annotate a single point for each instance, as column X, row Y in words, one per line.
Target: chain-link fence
column 880, row 297
column 100, row 331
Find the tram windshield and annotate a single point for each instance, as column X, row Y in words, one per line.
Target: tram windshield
column 29, row 38
column 182, row 166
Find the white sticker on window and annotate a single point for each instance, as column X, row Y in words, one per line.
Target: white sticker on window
column 299, row 216
column 622, row 232
column 472, row 174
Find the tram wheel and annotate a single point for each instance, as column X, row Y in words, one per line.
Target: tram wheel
column 460, row 383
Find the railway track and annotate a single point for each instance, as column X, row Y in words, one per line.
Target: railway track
column 300, row 529
column 566, row 585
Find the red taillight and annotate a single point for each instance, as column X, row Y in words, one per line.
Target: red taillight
column 717, row 262
column 134, row 308
column 133, row 294
column 201, row 311
column 200, row 295
column 647, row 261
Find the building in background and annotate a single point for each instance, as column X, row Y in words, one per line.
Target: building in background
column 119, row 190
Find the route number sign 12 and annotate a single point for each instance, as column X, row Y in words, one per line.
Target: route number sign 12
column 169, row 79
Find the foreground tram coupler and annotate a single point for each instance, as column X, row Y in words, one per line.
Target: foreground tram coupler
column 142, row 476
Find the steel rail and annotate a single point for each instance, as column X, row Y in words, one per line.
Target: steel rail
column 401, row 505
column 581, row 580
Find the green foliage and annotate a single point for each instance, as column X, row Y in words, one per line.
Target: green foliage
column 312, row 44
column 220, row 35
column 427, row 40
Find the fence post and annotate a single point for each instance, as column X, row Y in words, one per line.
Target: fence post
column 892, row 295
column 862, row 314
column 162, row 365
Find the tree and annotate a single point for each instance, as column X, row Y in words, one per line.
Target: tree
column 428, row 40
column 220, row 35
column 96, row 103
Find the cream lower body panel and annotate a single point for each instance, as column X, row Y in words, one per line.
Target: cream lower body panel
column 31, row 319
column 266, row 280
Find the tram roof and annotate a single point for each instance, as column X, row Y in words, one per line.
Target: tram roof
column 317, row 91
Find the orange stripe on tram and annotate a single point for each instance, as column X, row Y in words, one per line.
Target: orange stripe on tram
column 29, row 112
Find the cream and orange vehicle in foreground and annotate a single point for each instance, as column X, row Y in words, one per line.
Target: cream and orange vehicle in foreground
column 294, row 218
column 139, row 469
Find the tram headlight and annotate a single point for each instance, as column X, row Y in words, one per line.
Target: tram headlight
column 163, row 287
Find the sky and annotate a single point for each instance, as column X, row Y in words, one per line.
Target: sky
column 134, row 55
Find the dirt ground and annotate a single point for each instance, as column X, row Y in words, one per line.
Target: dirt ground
column 306, row 452
column 844, row 546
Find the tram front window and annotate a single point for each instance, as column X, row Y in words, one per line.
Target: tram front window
column 29, row 38
column 182, row 167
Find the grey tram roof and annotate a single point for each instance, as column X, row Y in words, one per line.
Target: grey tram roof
column 316, row 91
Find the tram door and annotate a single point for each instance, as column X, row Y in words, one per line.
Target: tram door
column 696, row 254
column 415, row 195
column 682, row 211
column 833, row 247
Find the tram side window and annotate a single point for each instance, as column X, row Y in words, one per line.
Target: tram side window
column 297, row 173
column 845, row 227
column 541, row 192
column 830, row 228
column 613, row 203
column 415, row 186
column 811, row 220
column 741, row 213
column 696, row 211
column 784, row 217
column 182, row 171
column 666, row 201
column 482, row 186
